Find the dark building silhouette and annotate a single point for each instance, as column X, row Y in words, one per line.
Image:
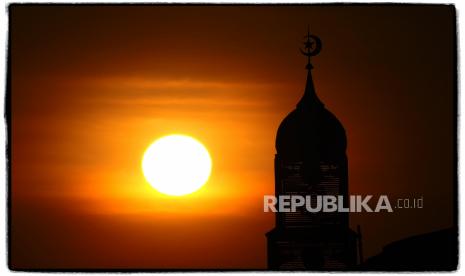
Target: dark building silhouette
column 311, row 160
column 436, row 251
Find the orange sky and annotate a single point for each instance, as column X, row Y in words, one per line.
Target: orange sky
column 92, row 87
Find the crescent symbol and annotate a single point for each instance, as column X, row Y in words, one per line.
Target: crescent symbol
column 317, row 49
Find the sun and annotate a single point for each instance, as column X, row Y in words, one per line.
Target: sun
column 176, row 165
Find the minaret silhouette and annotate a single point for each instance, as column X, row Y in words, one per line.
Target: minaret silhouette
column 311, row 160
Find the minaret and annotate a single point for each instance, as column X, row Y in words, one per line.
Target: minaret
column 311, row 161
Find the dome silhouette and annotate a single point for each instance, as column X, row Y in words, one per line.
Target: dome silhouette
column 311, row 134
column 310, row 130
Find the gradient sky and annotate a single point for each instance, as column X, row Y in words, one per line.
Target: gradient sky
column 93, row 86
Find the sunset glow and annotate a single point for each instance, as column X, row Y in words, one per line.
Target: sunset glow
column 94, row 90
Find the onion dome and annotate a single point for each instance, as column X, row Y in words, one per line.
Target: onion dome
column 311, row 132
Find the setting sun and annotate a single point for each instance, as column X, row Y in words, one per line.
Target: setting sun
column 176, row 165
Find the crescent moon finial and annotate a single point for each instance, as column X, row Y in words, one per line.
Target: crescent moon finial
column 312, row 46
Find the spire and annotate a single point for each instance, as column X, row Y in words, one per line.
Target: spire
column 312, row 46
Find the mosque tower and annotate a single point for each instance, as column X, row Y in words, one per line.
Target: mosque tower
column 311, row 160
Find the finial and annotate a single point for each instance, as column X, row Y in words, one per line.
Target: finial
column 312, row 47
